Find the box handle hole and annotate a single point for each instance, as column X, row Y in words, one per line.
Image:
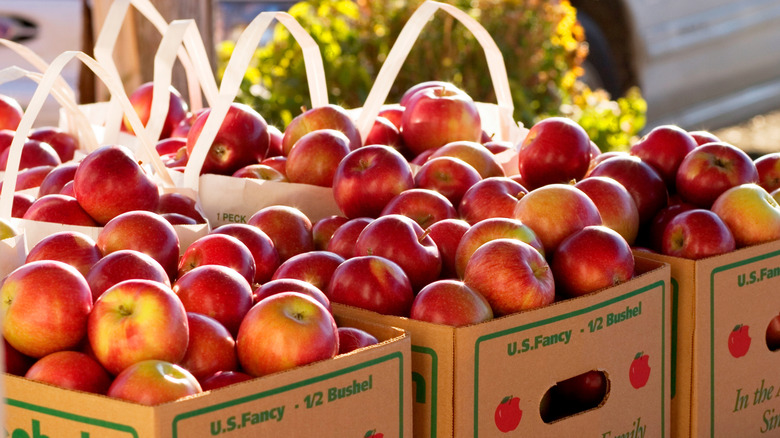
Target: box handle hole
column 576, row 394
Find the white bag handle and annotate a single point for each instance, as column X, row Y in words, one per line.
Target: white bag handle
column 234, row 74
column 403, row 45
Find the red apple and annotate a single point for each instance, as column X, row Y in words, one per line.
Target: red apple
column 59, row 209
column 121, row 265
column 372, row 283
column 21, row 203
column 368, row 178
column 259, row 244
column 216, row 291
column 56, row 178
column 34, row 153
column 278, row 163
column 10, row 112
column 711, row 169
column 241, row 139
column 450, row 302
column 288, row 227
column 696, row 234
column 16, row 363
column 385, row 132
column 591, row 259
column 768, row 168
column 474, row 153
column 218, row 249
column 435, row 116
column 424, row 206
column 490, row 229
column 555, row 211
column 210, row 349
column 314, row 158
column 178, row 219
column 452, row 177
column 325, row 117
column 512, row 275
column 556, row 150
column 71, row 247
column 64, row 143
column 171, row 145
column 773, row 333
column 221, row 379
column 141, row 99
column 275, row 144
column 664, row 148
column 315, row 267
column 653, row 237
column 152, row 382
column 178, row 203
column 581, row 392
column 143, row 231
column 260, row 171
column 285, row 331
column 136, row 320
column 750, row 212
column 404, row 100
column 45, row 306
column 352, row 338
column 343, row 240
column 616, row 206
column 392, row 112
column 402, row 240
column 31, row 177
column 280, row 285
column 71, row 370
column 447, row 234
column 109, row 182
column 703, row 136
column 491, row 197
column 322, row 230
column 508, row 414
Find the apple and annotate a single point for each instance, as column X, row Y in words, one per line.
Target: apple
column 368, row 178
column 640, row 179
column 372, row 283
column 216, row 291
column 315, row 267
column 664, row 148
column 653, row 238
column 136, row 320
column 10, row 112
column 34, row 153
column 591, row 259
column 490, row 197
column 121, row 265
column 314, row 158
column 452, row 177
column 739, row 341
column 280, row 285
column 260, row 171
column 278, row 163
column 422, row 157
column 288, row 227
column 141, row 99
column 63, row 142
column 328, row 116
column 409, row 92
column 616, row 207
column 639, row 372
column 275, row 144
column 210, row 349
column 768, row 168
column 711, row 169
column 284, row 331
column 508, row 414
column 176, row 160
column 218, row 249
column 556, row 150
column 172, row 202
column 498, row 146
column 71, row 247
column 424, row 206
column 581, row 392
column 143, row 231
column 67, row 190
column 696, row 234
column 555, row 211
column 490, row 229
column 16, row 363
column 178, row 219
column 402, row 240
column 152, row 382
column 435, row 116
column 447, row 234
column 392, row 112
column 352, row 338
column 385, row 132
column 31, row 177
column 109, row 181
column 773, row 333
column 322, row 230
column 56, row 178
column 21, row 203
column 45, row 306
column 259, row 244
column 170, row 145
column 220, row 379
column 474, row 153
column 512, row 275
column 750, row 212
column 185, row 126
column 703, row 136
column 241, row 139
column 60, row 209
column 343, row 240
column 71, row 370
column 450, row 302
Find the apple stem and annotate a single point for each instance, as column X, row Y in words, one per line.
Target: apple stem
column 424, row 235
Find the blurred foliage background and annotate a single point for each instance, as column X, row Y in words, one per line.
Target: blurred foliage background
column 541, row 41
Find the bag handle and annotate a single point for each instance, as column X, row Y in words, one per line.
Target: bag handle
column 403, row 45
column 234, row 74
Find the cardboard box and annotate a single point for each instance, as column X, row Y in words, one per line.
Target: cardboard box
column 368, row 389
column 716, row 392
column 461, row 375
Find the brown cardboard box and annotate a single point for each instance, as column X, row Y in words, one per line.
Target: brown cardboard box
column 717, row 392
column 347, row 396
column 461, row 375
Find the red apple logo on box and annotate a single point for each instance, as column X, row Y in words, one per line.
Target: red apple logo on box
column 739, row 341
column 508, row 414
column 639, row 372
